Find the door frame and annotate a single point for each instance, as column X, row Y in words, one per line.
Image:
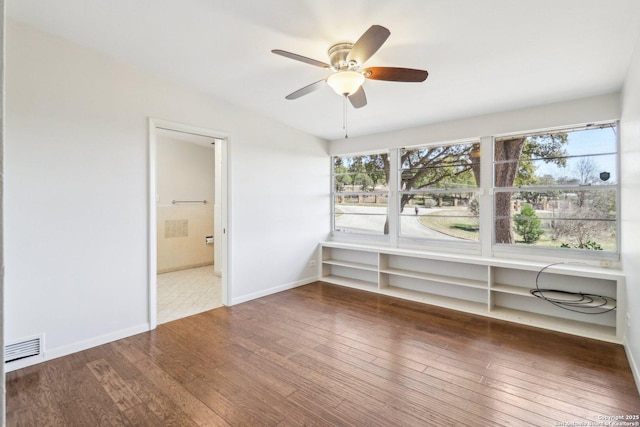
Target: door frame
column 222, row 188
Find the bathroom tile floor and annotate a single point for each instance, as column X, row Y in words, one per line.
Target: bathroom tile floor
column 187, row 292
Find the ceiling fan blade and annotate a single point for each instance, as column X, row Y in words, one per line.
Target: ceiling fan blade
column 300, row 58
column 305, row 90
column 395, row 74
column 358, row 98
column 368, row 44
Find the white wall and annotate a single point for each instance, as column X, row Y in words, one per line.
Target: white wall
column 2, row 121
column 185, row 171
column 580, row 111
column 630, row 179
column 76, row 192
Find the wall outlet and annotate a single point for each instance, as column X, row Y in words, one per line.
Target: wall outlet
column 312, row 263
column 628, row 321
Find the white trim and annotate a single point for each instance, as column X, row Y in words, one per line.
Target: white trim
column 152, row 243
column 222, row 188
column 632, row 363
column 76, row 347
column 393, row 200
column 275, row 289
column 485, row 195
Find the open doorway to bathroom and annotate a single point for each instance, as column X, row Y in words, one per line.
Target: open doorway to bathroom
column 187, row 222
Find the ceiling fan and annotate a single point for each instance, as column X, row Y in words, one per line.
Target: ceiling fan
column 345, row 62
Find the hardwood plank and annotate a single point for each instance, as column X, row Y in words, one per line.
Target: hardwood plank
column 114, row 385
column 290, row 374
column 327, row 355
column 140, row 415
column 230, row 411
column 21, row 417
column 447, row 398
column 163, row 407
column 377, row 389
column 90, row 404
column 40, row 406
column 197, row 410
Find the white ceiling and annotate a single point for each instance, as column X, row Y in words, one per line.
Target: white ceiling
column 482, row 55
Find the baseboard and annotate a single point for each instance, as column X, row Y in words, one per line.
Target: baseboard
column 274, row 290
column 632, row 364
column 184, row 267
column 76, row 347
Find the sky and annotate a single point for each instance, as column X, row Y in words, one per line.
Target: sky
column 589, row 141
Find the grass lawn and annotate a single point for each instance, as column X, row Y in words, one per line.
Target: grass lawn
column 461, row 225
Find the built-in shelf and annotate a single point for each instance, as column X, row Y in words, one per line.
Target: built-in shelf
column 352, row 283
column 356, row 265
column 439, row 300
column 492, row 287
column 509, row 289
column 458, row 281
column 589, row 330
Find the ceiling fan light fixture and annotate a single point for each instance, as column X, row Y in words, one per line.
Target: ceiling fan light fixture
column 345, row 83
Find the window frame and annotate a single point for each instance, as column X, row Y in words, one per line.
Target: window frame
column 459, row 246
column 356, row 236
column 506, row 250
column 486, row 190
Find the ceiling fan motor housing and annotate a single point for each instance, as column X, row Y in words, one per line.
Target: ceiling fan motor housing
column 338, row 54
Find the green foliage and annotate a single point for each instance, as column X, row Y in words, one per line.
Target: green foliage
column 527, row 224
column 447, row 166
column 364, row 173
column 548, row 147
column 595, row 246
column 471, row 228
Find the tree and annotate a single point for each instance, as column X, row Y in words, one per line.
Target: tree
column 455, row 165
column 589, row 215
column 452, row 166
column 586, row 172
column 527, row 224
column 513, row 159
column 458, row 166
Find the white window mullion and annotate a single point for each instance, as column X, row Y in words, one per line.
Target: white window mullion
column 394, row 198
column 486, row 195
column 333, row 194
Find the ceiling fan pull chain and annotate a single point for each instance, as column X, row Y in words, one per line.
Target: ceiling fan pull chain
column 344, row 116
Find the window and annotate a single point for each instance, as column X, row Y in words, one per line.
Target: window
column 557, row 189
column 553, row 193
column 361, row 194
column 438, row 189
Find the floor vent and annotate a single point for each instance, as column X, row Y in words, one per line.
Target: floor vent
column 22, row 349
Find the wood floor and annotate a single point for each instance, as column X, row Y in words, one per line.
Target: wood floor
column 326, row 355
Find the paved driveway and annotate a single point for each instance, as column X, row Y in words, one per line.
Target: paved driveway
column 371, row 219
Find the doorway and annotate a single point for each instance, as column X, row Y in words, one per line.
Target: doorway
column 187, row 220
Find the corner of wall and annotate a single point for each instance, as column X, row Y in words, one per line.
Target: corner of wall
column 274, row 290
column 2, row 121
column 630, row 219
column 632, row 363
